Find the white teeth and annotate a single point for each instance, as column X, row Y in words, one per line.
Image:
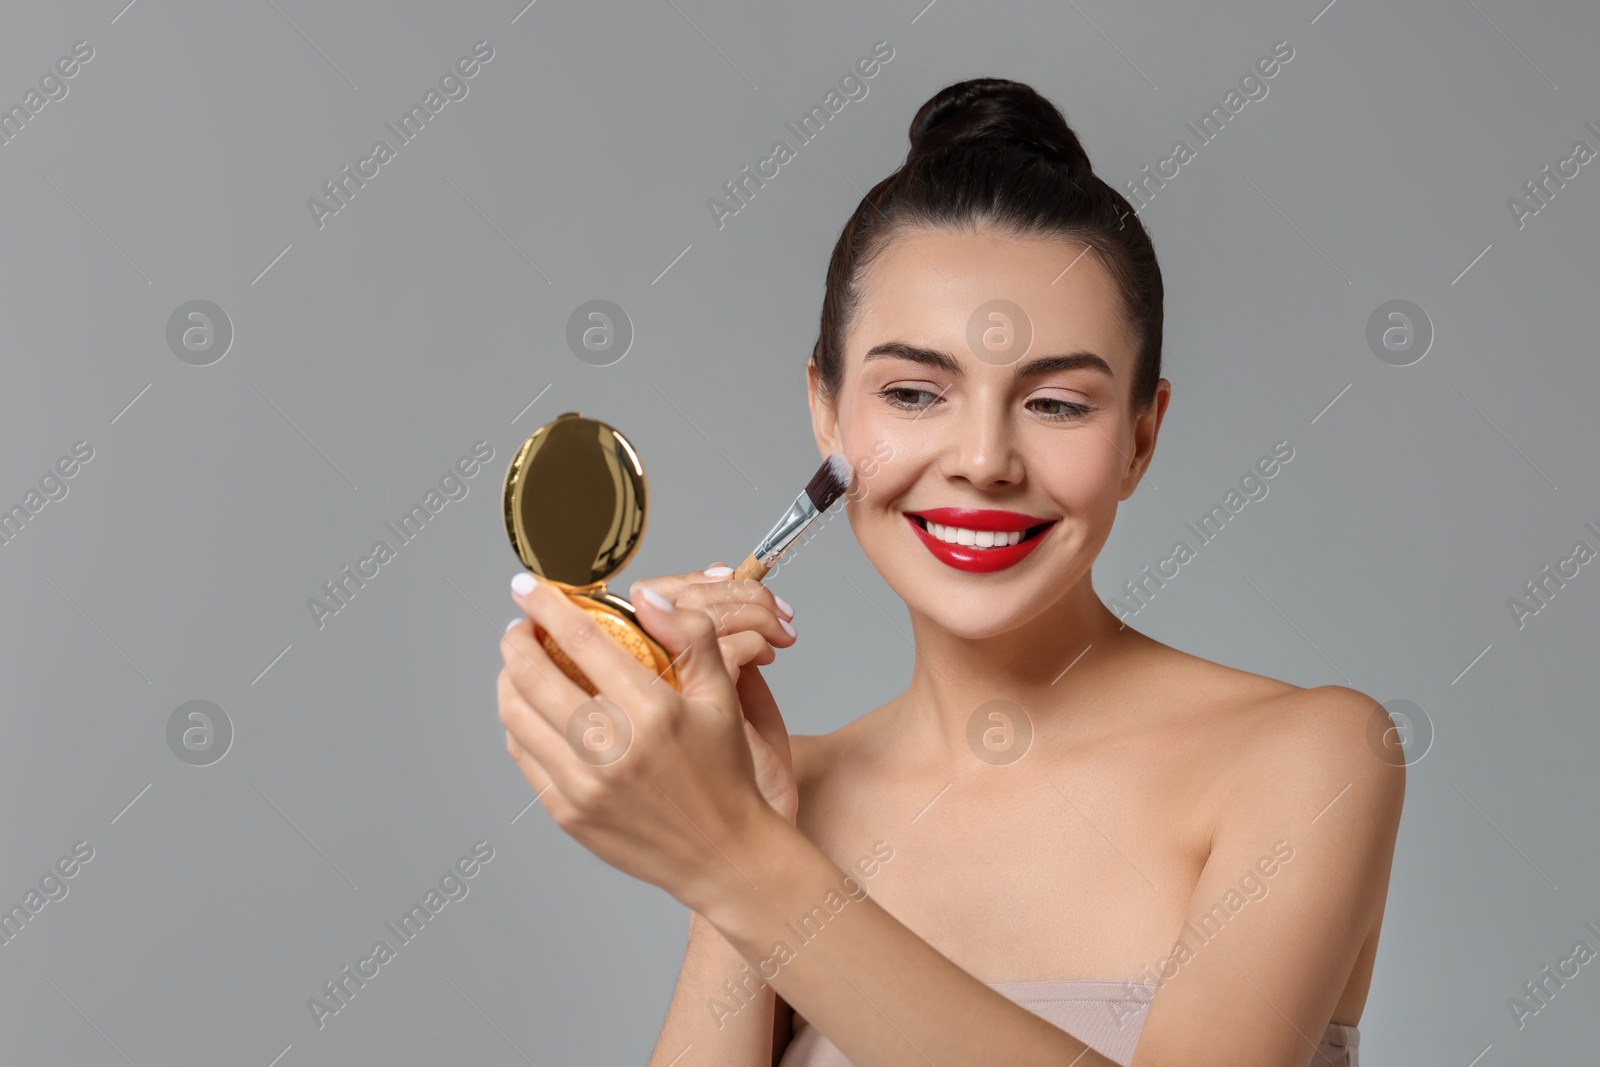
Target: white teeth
column 979, row 538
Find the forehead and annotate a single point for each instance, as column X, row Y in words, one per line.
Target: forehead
column 928, row 285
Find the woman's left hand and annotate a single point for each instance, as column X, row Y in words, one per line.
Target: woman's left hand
column 658, row 783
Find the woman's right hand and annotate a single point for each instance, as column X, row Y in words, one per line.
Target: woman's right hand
column 750, row 620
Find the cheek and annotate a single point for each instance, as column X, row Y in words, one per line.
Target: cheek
column 1082, row 471
column 885, row 454
column 1084, row 474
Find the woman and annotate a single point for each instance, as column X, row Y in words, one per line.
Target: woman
column 1082, row 846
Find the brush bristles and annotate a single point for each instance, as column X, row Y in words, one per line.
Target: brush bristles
column 830, row 482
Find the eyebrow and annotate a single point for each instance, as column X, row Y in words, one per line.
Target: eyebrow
column 1080, row 360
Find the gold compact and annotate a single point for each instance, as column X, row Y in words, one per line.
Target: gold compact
column 575, row 502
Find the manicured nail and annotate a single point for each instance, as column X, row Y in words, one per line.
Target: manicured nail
column 788, row 629
column 718, row 571
column 512, row 625
column 783, row 605
column 522, row 584
column 656, row 598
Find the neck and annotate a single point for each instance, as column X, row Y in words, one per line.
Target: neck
column 1041, row 667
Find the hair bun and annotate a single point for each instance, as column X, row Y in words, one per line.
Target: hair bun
column 998, row 111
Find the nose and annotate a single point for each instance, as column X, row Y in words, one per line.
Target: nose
column 982, row 447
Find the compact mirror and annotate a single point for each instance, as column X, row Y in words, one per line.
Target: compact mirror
column 576, row 501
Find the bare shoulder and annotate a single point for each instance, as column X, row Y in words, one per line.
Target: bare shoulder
column 1265, row 712
column 1332, row 723
column 832, row 769
column 818, row 757
column 1317, row 746
column 1265, row 737
column 1320, row 767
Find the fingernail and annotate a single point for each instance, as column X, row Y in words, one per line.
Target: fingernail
column 512, row 625
column 522, row 584
column 656, row 598
column 719, row 571
column 783, row 605
column 788, row 629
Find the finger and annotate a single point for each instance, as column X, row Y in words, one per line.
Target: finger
column 744, row 650
column 753, row 591
column 690, row 638
column 537, row 703
column 761, row 710
column 619, row 677
column 543, row 685
column 531, row 768
column 532, row 732
column 732, row 616
column 672, row 586
column 545, row 792
column 537, row 667
column 541, row 753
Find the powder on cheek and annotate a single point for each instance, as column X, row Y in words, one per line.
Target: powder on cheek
column 888, row 467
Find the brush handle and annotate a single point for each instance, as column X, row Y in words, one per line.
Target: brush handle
column 751, row 568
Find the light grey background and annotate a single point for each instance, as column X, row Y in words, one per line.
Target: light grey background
column 429, row 312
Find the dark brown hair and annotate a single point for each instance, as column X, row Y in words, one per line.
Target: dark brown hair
column 995, row 153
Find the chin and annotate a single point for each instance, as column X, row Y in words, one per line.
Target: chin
column 975, row 618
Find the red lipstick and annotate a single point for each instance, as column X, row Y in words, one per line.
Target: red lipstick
column 971, row 558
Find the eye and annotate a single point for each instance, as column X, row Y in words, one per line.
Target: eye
column 896, row 396
column 1060, row 410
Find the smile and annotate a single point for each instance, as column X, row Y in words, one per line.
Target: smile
column 978, row 540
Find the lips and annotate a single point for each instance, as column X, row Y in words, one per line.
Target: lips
column 970, row 558
column 980, row 518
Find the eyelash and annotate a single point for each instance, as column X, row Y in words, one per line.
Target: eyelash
column 1074, row 411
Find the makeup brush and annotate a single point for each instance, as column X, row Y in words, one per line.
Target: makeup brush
column 825, row 487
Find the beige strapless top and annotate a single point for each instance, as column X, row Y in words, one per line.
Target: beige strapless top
column 1105, row 1015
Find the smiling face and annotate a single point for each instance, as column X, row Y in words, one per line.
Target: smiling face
column 947, row 403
